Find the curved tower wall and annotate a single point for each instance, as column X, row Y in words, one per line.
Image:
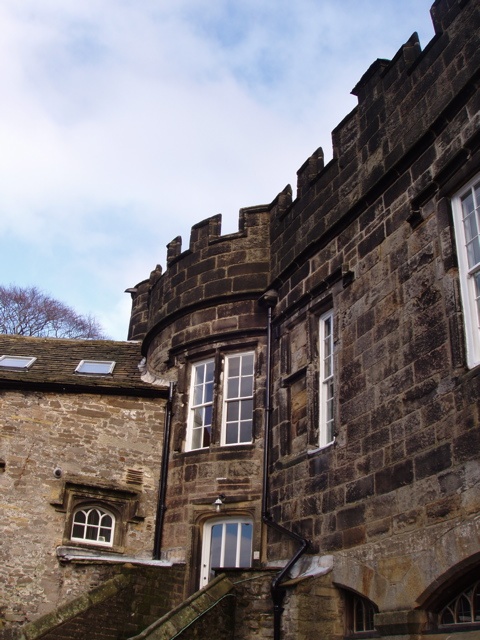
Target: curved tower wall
column 205, row 306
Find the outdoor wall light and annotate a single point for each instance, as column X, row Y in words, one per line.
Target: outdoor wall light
column 218, row 504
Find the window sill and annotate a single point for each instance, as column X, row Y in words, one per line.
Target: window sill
column 448, row 630
column 83, row 555
column 325, row 447
column 219, row 448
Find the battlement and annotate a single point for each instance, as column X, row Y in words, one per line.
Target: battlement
column 404, row 105
column 209, row 231
column 213, row 267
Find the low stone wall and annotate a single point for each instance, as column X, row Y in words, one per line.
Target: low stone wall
column 254, row 606
column 115, row 610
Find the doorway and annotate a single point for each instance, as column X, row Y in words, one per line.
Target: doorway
column 227, row 543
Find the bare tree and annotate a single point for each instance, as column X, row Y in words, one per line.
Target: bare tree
column 27, row 311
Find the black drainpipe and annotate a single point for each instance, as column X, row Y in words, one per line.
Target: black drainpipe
column 162, row 489
column 277, row 591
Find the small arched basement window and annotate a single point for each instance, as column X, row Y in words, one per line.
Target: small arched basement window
column 363, row 612
column 93, row 525
column 360, row 613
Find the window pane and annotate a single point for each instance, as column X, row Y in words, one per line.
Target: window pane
column 198, row 417
column 476, row 284
column 470, row 222
column 198, row 395
column 199, row 374
column 206, row 436
column 246, row 387
column 246, row 431
column 208, row 415
column 93, row 517
column 92, row 532
column 464, row 611
column 230, row 558
column 467, row 203
column 16, row 362
column 209, row 369
column 245, row 559
column 246, row 409
column 369, row 613
column 105, row 534
column 359, row 618
column 232, row 411
column 208, row 392
column 231, row 433
column 247, row 365
column 476, row 604
column 197, row 439
column 234, row 367
column 447, row 616
column 80, row 517
column 106, row 520
column 216, row 545
column 233, row 387
column 78, row 531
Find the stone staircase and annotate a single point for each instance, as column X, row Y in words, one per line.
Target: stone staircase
column 208, row 613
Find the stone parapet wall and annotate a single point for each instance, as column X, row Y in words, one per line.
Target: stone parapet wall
column 212, row 270
column 404, row 105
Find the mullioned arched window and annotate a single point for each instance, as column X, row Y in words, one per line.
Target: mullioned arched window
column 93, row 525
column 463, row 609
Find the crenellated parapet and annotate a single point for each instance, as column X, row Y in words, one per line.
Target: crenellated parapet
column 215, row 272
column 391, row 137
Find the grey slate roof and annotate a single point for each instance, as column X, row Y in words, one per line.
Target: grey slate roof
column 57, row 360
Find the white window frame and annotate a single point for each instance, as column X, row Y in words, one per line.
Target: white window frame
column 206, row 570
column 205, row 406
column 16, row 363
column 470, row 289
column 326, row 380
column 100, row 367
column 240, row 399
column 99, row 540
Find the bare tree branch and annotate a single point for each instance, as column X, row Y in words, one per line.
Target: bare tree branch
column 27, row 311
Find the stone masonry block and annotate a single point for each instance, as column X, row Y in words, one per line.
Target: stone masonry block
column 433, row 461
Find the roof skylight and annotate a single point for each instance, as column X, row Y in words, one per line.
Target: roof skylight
column 16, row 363
column 95, row 367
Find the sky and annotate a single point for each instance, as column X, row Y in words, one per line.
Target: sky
column 125, row 122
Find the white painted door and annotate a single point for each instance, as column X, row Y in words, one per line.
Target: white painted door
column 227, row 542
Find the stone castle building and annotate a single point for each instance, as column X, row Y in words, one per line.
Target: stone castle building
column 288, row 445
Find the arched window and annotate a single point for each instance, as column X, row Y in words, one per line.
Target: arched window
column 463, row 609
column 93, row 525
column 363, row 613
column 359, row 615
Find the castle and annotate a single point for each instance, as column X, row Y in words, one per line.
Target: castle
column 288, row 444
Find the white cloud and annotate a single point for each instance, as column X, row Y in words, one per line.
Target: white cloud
column 126, row 122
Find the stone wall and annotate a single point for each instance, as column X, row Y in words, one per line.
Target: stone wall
column 105, row 441
column 254, row 606
column 371, row 237
column 119, row 607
